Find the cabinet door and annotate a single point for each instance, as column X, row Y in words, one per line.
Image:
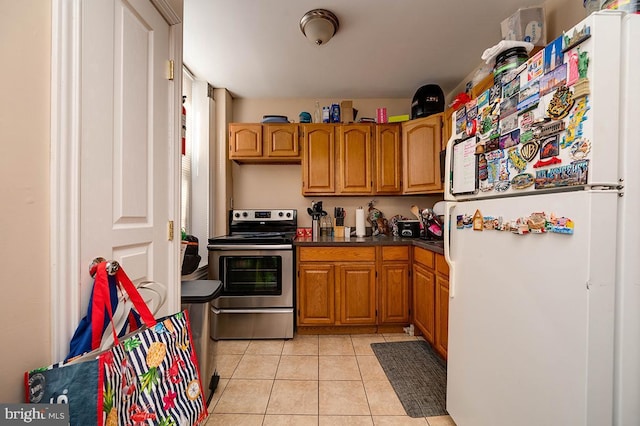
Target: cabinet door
column 245, row 141
column 421, row 146
column 354, row 159
column 316, row 294
column 282, row 140
column 318, row 173
column 388, row 159
column 424, row 301
column 394, row 293
column 357, row 282
column 442, row 315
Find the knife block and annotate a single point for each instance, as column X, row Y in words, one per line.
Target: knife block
column 338, row 231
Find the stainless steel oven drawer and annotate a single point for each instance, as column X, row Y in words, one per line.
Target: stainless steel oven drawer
column 268, row 323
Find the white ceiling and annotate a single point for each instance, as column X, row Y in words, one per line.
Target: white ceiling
column 383, row 48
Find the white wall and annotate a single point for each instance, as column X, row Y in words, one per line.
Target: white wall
column 24, row 192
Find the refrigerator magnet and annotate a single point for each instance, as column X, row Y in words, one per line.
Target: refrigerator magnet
column 529, row 150
column 478, row 221
column 580, row 149
column 522, row 181
column 549, row 147
column 578, row 115
column 459, row 221
column 561, row 225
column 502, row 185
column 516, row 160
column 561, row 103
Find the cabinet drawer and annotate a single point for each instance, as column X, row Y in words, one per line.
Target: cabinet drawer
column 395, row 253
column 336, row 254
column 423, row 256
column 442, row 267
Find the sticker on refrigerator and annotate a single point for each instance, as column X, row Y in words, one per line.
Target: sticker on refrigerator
column 553, row 55
column 567, row 175
column 508, row 106
column 535, row 66
column 508, row 124
column 510, row 139
column 555, row 78
column 511, row 88
column 529, row 96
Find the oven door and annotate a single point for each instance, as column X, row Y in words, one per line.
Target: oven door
column 253, row 276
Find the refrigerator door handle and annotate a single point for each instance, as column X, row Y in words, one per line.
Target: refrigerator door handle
column 447, row 248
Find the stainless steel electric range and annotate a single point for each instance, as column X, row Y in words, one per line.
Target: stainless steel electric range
column 255, row 263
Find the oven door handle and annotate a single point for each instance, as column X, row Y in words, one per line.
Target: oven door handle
column 217, row 311
column 250, row 247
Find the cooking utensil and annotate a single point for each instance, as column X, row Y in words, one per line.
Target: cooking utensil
column 416, row 212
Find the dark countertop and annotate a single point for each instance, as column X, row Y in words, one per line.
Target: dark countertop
column 434, row 246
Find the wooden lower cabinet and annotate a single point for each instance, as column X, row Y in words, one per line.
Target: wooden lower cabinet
column 367, row 288
column 442, row 316
column 395, row 296
column 316, row 294
column 336, row 286
column 357, row 295
column 431, row 298
column 424, row 301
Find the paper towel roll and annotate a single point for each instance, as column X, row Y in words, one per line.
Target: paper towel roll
column 360, row 227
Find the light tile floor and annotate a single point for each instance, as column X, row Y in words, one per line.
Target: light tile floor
column 308, row 380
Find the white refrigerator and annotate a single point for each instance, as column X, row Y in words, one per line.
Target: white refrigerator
column 544, row 246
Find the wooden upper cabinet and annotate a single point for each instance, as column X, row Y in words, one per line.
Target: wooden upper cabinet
column 421, row 146
column 264, row 143
column 245, row 141
column 318, row 159
column 388, row 159
column 282, row 140
column 355, row 159
column 447, row 126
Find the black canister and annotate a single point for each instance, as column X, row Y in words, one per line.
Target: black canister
column 509, row 60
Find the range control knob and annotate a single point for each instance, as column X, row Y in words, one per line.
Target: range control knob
column 245, row 214
column 236, row 215
column 289, row 214
column 280, row 214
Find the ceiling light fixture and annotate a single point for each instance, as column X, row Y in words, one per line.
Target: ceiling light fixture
column 319, row 25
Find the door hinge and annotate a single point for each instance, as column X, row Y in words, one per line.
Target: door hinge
column 170, row 230
column 588, row 285
column 171, row 64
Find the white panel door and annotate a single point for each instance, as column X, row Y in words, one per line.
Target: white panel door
column 125, row 154
column 531, row 316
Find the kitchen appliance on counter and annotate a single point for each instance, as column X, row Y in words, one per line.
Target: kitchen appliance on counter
column 541, row 238
column 409, row 228
column 255, row 263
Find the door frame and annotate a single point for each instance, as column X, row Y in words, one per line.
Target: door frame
column 66, row 271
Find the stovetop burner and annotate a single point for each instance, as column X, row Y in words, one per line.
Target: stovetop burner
column 276, row 226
